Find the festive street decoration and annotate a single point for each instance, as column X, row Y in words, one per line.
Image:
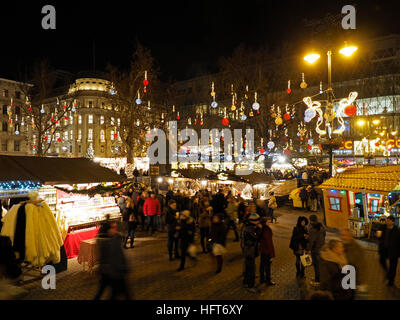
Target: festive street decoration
column 255, row 105
column 350, row 110
column 288, row 90
column 303, row 84
column 214, row 104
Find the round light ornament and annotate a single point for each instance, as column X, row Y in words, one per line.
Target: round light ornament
column 278, row 121
column 270, row 145
column 214, row 104
column 255, row 106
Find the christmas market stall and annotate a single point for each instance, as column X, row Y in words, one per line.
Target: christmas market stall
column 359, row 198
column 76, row 190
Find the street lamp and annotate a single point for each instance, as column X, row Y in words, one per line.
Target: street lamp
column 329, row 114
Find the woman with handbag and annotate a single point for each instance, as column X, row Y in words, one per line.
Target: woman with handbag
column 218, row 238
column 299, row 243
column 272, row 205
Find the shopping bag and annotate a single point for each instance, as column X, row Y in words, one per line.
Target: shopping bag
column 218, row 249
column 306, row 260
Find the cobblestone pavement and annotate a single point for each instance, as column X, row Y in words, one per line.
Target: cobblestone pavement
column 153, row 276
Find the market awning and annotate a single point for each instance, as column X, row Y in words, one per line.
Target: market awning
column 257, row 178
column 380, row 180
column 194, row 173
column 51, row 171
column 225, row 176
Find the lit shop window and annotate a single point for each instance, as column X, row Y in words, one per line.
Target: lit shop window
column 101, row 119
column 90, row 104
column 334, row 204
column 66, row 135
column 79, row 135
column 374, row 205
column 80, row 120
column 102, row 136
column 71, row 135
column 90, row 134
column 90, row 119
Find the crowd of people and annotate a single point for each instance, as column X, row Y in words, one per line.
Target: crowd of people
column 204, row 221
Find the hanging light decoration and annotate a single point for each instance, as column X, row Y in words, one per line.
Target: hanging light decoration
column 288, row 90
column 303, row 84
column 214, row 104
column 138, row 100
column 255, row 105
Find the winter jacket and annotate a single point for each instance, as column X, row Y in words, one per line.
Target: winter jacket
column 151, row 207
column 303, row 194
column 298, row 241
column 232, row 210
column 317, row 235
column 356, row 257
column 219, row 203
column 111, row 257
column 186, row 232
column 204, row 220
column 266, row 243
column 313, row 194
column 389, row 246
column 218, row 233
column 331, row 275
column 170, row 217
column 250, row 238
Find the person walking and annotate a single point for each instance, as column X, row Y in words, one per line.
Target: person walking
column 314, row 199
column 304, row 197
column 131, row 223
column 151, row 209
column 232, row 216
column 205, row 224
column 333, row 260
column 218, row 237
column 389, row 248
column 113, row 266
column 186, row 230
column 317, row 234
column 267, row 252
column 272, row 205
column 250, row 238
column 171, row 220
column 299, row 243
column 141, row 201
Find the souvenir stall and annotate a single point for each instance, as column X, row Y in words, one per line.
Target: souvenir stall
column 261, row 184
column 72, row 188
column 359, row 198
column 226, row 181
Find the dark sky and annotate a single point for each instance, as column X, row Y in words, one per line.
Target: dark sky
column 184, row 36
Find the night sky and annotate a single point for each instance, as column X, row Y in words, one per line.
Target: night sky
column 186, row 37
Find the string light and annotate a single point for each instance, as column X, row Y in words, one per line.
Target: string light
column 20, row 185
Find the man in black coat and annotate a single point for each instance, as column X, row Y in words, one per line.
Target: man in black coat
column 186, row 230
column 389, row 248
column 171, row 222
column 219, row 203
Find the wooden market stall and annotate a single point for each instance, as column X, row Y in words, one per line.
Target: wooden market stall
column 359, row 197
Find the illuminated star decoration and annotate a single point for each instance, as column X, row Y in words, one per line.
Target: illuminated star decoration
column 342, row 105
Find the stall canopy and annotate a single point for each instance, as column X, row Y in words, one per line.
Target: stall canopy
column 257, row 178
column 194, row 173
column 53, row 171
column 380, row 180
column 225, row 175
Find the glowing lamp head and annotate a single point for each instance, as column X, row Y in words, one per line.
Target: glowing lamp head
column 376, row 122
column 361, row 122
column 348, row 50
column 311, row 58
column 159, row 179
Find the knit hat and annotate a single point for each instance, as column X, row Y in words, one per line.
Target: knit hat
column 254, row 217
column 313, row 218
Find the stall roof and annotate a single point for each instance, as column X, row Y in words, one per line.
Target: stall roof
column 229, row 176
column 195, row 173
column 380, row 180
column 257, row 178
column 48, row 170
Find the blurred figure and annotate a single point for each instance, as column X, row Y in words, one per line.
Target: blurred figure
column 241, row 210
column 232, row 215
column 333, row 259
column 272, row 205
column 267, row 252
column 261, row 208
column 298, row 243
column 151, row 209
column 186, row 230
column 142, row 199
column 131, row 224
column 113, row 265
column 355, row 255
column 250, row 238
column 218, row 238
column 205, row 224
column 172, row 221
column 389, row 248
column 314, row 199
column 304, row 198
column 317, row 234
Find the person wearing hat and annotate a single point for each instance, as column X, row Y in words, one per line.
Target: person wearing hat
column 317, row 234
column 186, row 230
column 389, row 248
column 251, row 234
column 299, row 243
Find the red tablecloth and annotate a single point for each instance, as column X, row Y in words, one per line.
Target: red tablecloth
column 72, row 242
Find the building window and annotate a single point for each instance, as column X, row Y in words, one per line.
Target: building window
column 112, row 134
column 5, row 126
column 71, row 120
column 65, row 122
column 119, row 122
column 80, row 149
column 90, row 134
column 71, row 135
column 80, row 119
column 16, row 145
column 66, row 135
column 90, row 119
column 79, row 135
column 70, row 149
column 17, row 110
column 112, row 121
column 90, row 104
column 4, row 146
column 17, row 95
column 5, row 93
column 102, row 136
column 4, row 109
column 334, row 204
column 103, row 105
column 101, row 119
column 102, row 149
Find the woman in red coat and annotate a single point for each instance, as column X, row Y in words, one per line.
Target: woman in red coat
column 267, row 252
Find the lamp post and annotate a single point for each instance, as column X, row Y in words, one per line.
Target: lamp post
column 329, row 114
